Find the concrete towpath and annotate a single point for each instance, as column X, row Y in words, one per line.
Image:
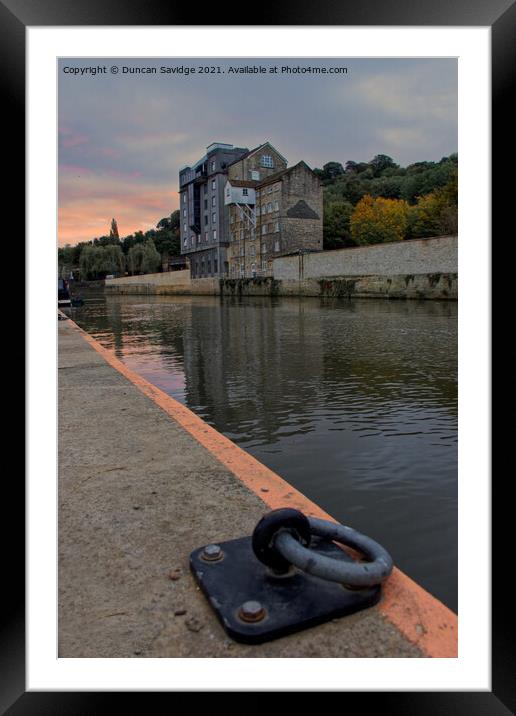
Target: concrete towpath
column 143, row 482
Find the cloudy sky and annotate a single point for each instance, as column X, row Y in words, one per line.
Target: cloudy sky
column 123, row 137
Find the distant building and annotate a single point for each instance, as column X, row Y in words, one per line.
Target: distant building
column 240, row 208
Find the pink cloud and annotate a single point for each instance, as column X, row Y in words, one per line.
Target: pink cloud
column 109, row 152
column 70, row 138
column 88, row 201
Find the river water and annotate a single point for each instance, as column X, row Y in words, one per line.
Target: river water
column 352, row 402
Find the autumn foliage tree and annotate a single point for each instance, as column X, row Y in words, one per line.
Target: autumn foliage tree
column 378, row 220
column 435, row 213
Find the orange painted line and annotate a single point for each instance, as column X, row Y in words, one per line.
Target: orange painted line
column 420, row 617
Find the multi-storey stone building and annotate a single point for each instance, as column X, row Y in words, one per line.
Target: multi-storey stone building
column 203, row 215
column 283, row 216
column 241, row 208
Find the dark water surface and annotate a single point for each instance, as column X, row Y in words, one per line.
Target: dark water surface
column 352, row 402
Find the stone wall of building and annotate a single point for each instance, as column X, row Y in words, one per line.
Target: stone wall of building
column 289, row 217
column 302, row 210
column 253, row 162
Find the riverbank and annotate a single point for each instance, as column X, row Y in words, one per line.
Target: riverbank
column 143, row 482
column 417, row 269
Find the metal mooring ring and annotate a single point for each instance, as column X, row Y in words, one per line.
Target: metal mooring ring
column 353, row 574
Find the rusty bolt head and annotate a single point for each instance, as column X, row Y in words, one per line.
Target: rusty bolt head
column 212, row 553
column 251, row 611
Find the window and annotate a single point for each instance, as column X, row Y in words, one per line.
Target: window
column 198, row 239
column 184, row 198
column 264, row 265
column 253, row 251
column 205, row 204
column 253, row 234
column 206, row 220
column 244, row 192
column 215, row 265
column 214, row 218
column 184, row 228
column 242, row 251
column 257, row 211
column 276, row 206
column 213, row 201
column 184, row 213
column 264, row 248
column 213, row 165
column 209, row 265
column 255, row 176
column 232, row 218
column 264, row 229
column 214, row 234
column 241, row 234
column 276, row 226
column 206, row 236
column 269, row 207
column 213, row 184
column 185, row 242
column 276, row 246
column 267, row 161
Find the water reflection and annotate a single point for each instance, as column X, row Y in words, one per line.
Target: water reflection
column 355, row 403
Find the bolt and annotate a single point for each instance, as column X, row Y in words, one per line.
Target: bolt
column 251, row 612
column 212, row 553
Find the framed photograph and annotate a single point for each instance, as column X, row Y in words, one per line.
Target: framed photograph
column 259, row 233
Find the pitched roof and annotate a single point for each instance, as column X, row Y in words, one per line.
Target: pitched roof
column 252, row 151
column 274, row 177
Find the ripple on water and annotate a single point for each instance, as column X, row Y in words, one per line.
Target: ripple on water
column 354, row 403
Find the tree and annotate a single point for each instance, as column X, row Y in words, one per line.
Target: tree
column 98, row 261
column 143, row 258
column 112, row 260
column 332, row 170
column 113, row 232
column 435, row 213
column 87, row 261
column 380, row 163
column 379, row 220
column 167, row 238
column 151, row 258
column 336, row 231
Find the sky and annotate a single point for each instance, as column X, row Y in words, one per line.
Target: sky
column 123, row 137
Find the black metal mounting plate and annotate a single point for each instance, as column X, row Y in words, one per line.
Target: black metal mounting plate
column 292, row 603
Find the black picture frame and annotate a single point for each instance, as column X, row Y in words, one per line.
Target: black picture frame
column 15, row 16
